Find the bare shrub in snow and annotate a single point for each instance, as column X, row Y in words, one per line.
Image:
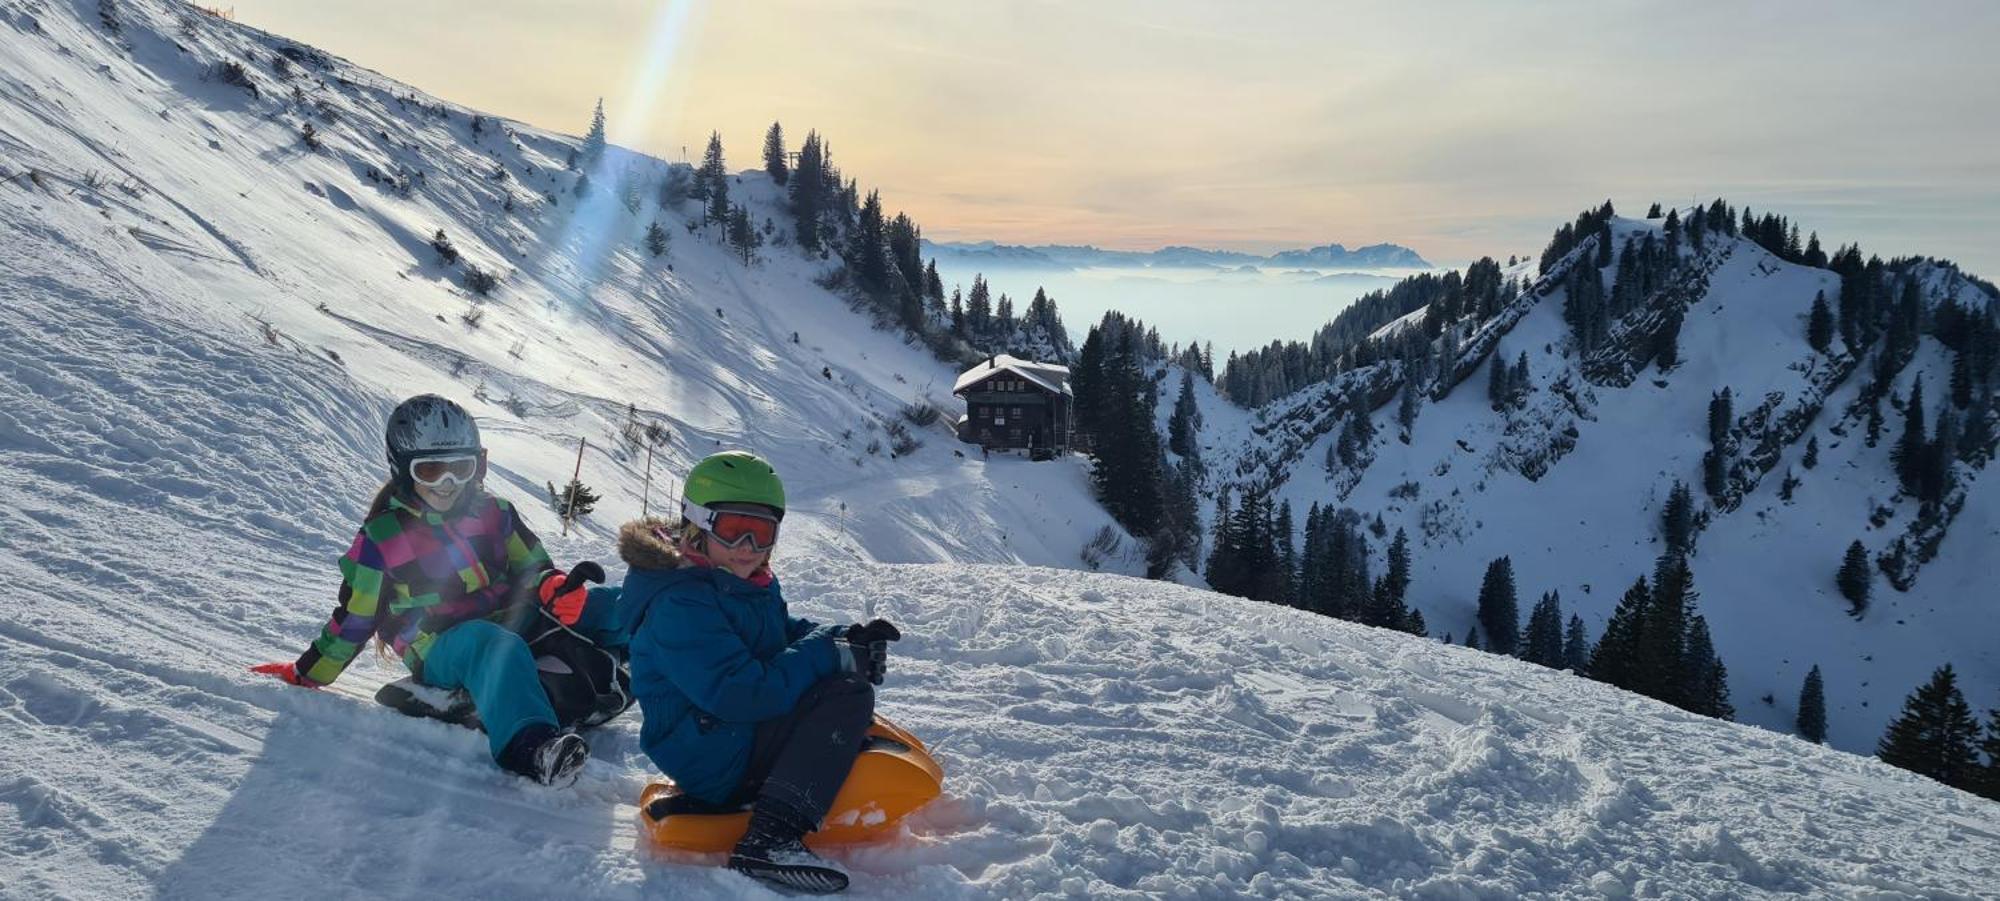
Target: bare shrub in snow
column 309, row 136
column 1101, row 547
column 480, row 281
column 474, row 316
column 901, row 442
column 269, row 331
column 922, row 413
column 231, row 72
column 447, row 252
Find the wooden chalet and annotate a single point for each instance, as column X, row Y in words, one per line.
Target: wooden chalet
column 1017, row 404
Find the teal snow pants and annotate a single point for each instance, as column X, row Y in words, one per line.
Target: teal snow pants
column 495, row 667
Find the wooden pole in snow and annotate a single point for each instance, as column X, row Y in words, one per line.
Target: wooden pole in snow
column 646, row 499
column 575, row 479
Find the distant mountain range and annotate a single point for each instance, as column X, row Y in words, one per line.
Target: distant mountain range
column 1069, row 256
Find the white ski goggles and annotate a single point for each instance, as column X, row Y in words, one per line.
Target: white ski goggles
column 733, row 528
column 434, row 472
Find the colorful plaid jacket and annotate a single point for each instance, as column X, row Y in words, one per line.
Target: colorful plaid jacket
column 412, row 574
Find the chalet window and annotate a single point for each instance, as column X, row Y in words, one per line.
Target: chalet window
column 1017, row 411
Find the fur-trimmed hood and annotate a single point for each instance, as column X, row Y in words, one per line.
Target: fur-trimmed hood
column 641, row 546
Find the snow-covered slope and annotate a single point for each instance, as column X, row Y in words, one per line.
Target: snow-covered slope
column 197, row 211
column 187, row 435
column 1571, row 485
column 1103, row 736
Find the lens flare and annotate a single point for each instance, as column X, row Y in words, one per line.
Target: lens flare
column 599, row 221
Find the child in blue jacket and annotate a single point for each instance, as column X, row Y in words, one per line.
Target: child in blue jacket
column 744, row 703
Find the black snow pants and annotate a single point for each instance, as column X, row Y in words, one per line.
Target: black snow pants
column 799, row 760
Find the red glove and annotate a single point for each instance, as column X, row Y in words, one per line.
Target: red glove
column 285, row 671
column 564, row 596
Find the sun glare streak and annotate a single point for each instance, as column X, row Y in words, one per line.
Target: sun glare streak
column 598, row 223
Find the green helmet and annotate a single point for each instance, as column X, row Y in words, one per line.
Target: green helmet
column 734, row 477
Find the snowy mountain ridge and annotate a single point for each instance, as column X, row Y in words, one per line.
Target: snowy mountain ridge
column 1070, row 256
column 1586, row 458
column 205, row 322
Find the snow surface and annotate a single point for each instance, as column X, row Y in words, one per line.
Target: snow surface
column 186, row 439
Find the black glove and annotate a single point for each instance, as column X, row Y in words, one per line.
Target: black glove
column 865, row 648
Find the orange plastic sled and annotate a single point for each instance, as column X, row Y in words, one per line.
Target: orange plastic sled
column 893, row 776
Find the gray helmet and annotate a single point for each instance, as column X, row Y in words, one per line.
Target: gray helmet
column 428, row 425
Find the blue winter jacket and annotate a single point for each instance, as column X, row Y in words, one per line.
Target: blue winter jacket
column 712, row 655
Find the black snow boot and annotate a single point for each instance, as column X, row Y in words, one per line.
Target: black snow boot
column 546, row 755
column 773, row 851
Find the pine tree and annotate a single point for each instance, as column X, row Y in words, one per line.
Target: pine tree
column 1705, row 681
column 1472, row 639
column 1498, row 388
column 1934, row 480
column 1616, row 658
column 1576, row 647
column 1909, row 452
column 979, row 307
column 1934, row 735
column 1720, row 415
column 1397, row 579
column 934, row 291
column 1677, row 519
column 1499, row 614
column 1667, row 349
column 1285, row 590
column 1812, row 708
column 574, row 501
column 1542, row 639
column 1662, row 662
column 1714, row 473
column 1819, row 324
column 656, row 240
column 1407, row 407
column 774, row 154
column 743, row 235
column 1811, row 458
column 807, row 193
column 1988, row 783
column 714, row 177
column 1180, row 427
column 593, row 146
column 867, row 251
column 1976, row 438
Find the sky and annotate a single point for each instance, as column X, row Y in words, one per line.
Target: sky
column 1458, row 129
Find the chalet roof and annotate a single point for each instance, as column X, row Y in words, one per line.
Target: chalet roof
column 1052, row 378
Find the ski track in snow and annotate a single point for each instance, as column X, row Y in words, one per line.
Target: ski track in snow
column 176, row 480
